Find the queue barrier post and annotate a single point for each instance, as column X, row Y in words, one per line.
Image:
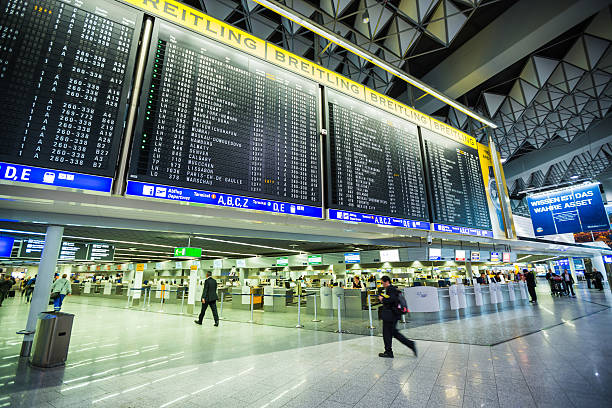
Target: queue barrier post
column 339, row 317
column 371, row 327
column 251, row 321
column 315, row 309
column 182, row 301
column 127, row 306
column 404, row 319
column 161, row 308
column 299, row 324
column 221, row 311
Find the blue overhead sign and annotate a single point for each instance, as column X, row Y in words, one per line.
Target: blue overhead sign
column 350, row 216
column 136, row 188
column 56, row 178
column 578, row 209
column 453, row 229
column 6, row 246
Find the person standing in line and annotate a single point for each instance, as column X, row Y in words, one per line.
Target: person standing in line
column 390, row 315
column 29, row 288
column 531, row 285
column 60, row 288
column 568, row 282
column 209, row 298
column 5, row 286
column 598, row 279
column 587, row 276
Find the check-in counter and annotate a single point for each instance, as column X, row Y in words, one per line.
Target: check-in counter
column 310, row 299
column 352, row 303
column 76, row 288
column 241, row 297
column 426, row 299
column 276, row 299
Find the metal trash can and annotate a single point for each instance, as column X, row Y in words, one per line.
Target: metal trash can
column 52, row 339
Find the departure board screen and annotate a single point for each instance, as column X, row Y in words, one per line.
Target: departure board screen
column 65, row 70
column 375, row 157
column 457, row 187
column 218, row 120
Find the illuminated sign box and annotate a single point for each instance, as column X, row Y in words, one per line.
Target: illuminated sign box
column 352, row 257
column 188, row 251
column 218, row 263
column 577, row 209
column 495, row 257
column 282, row 261
column 459, row 255
column 506, row 256
column 240, row 263
column 315, row 259
column 389, row 255
column 6, row 246
column 475, row 256
column 435, row 254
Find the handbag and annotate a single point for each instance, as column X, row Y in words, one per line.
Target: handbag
column 54, row 295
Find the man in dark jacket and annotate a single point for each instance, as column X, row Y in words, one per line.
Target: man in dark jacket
column 531, row 285
column 390, row 315
column 5, row 286
column 209, row 298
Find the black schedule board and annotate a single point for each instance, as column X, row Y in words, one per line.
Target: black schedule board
column 457, row 188
column 65, row 71
column 375, row 161
column 218, row 120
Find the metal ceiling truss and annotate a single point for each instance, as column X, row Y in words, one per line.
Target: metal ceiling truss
column 552, row 98
column 395, row 30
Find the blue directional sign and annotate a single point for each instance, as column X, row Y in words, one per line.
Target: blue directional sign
column 577, row 209
column 350, row 216
column 453, row 229
column 136, row 188
column 6, row 246
column 57, row 178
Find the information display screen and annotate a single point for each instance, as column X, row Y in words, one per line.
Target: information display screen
column 101, row 252
column 69, row 251
column 375, row 157
column 215, row 119
column 65, row 71
column 458, row 194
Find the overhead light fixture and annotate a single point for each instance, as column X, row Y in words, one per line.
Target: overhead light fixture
column 368, row 56
column 574, row 177
column 503, row 160
column 365, row 17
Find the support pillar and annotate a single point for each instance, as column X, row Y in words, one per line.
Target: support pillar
column 44, row 279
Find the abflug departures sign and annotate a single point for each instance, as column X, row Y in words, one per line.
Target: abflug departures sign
column 577, row 209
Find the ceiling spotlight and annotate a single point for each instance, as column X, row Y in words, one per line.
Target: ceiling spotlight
column 574, row 177
column 365, row 17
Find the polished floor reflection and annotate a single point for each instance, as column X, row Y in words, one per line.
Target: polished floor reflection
column 128, row 358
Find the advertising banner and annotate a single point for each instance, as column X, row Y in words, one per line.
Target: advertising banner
column 576, row 209
column 491, row 188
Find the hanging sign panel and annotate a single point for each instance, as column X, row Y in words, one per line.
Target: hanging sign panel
column 66, row 73
column 374, row 161
column 576, row 209
column 230, row 129
column 458, row 197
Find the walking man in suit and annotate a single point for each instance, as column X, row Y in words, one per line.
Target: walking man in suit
column 209, row 298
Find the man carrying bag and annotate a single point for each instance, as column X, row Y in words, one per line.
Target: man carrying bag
column 209, row 298
column 390, row 314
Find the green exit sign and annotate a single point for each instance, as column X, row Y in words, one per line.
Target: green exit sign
column 282, row 261
column 188, row 251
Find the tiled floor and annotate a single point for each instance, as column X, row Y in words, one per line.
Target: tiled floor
column 127, row 358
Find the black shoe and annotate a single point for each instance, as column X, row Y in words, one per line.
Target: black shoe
column 217, row 324
column 197, row 322
column 386, row 354
column 414, row 350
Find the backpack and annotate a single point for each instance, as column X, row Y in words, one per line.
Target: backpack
column 402, row 306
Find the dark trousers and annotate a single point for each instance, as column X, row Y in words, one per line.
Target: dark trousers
column 390, row 331
column 569, row 287
column 213, row 307
column 3, row 295
column 588, row 283
column 532, row 293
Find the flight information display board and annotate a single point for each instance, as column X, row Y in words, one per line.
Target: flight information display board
column 457, row 188
column 218, row 120
column 65, row 72
column 375, row 162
